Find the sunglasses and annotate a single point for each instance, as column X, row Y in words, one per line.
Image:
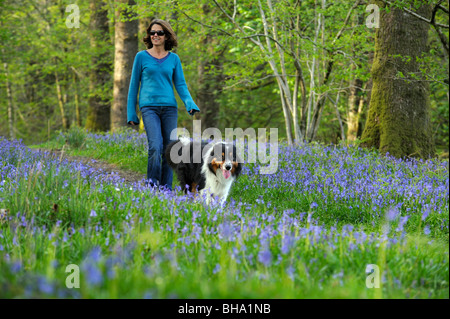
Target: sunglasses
column 159, row 32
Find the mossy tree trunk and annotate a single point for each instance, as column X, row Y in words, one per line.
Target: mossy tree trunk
column 99, row 106
column 399, row 113
column 11, row 128
column 126, row 48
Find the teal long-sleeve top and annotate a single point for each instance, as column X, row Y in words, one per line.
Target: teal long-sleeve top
column 153, row 80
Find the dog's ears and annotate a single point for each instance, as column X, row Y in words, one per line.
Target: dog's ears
column 214, row 166
column 237, row 167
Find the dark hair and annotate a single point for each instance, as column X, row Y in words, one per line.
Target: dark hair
column 171, row 38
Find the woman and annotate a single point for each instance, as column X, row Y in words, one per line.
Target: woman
column 154, row 70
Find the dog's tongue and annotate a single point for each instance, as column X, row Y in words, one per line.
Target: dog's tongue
column 226, row 173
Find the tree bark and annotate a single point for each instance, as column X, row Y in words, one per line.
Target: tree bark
column 99, row 108
column 209, row 86
column 77, row 101
column 210, row 78
column 64, row 119
column 12, row 135
column 354, row 103
column 126, row 48
column 144, row 23
column 355, row 91
column 399, row 113
column 338, row 115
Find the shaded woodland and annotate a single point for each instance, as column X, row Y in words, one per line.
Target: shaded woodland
column 370, row 73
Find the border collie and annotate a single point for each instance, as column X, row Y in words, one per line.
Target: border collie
column 218, row 167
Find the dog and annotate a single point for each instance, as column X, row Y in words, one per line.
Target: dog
column 210, row 173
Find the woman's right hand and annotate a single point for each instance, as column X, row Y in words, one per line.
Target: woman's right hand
column 132, row 123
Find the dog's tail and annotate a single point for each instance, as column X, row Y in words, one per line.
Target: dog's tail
column 180, row 143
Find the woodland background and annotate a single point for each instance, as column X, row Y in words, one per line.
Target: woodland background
column 305, row 67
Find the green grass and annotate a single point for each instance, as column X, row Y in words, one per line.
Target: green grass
column 126, row 153
column 132, row 242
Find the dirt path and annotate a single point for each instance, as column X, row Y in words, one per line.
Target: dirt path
column 128, row 175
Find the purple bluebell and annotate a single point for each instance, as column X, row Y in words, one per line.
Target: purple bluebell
column 265, row 257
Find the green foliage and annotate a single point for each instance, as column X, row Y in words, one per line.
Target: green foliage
column 37, row 45
column 75, row 137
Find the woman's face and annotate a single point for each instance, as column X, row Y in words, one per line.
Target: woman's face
column 157, row 40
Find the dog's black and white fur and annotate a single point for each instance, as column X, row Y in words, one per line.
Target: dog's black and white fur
column 213, row 177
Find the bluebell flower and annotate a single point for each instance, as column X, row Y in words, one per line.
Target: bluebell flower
column 45, row 286
column 16, row 267
column 92, row 274
column 265, row 257
column 425, row 214
column 226, row 232
column 95, row 254
column 291, row 272
column 402, row 223
column 392, row 214
column 216, row 269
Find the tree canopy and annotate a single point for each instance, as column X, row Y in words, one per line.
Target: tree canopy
column 303, row 67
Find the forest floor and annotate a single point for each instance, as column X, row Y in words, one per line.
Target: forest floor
column 129, row 175
column 123, row 236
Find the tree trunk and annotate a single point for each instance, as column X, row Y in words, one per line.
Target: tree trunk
column 99, row 109
column 354, row 103
column 144, row 23
column 287, row 114
column 10, row 104
column 126, row 48
column 357, row 93
column 399, row 113
column 64, row 119
column 210, row 77
column 317, row 114
column 338, row 115
column 77, row 101
column 209, row 86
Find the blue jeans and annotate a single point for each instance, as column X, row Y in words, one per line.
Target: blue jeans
column 159, row 121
